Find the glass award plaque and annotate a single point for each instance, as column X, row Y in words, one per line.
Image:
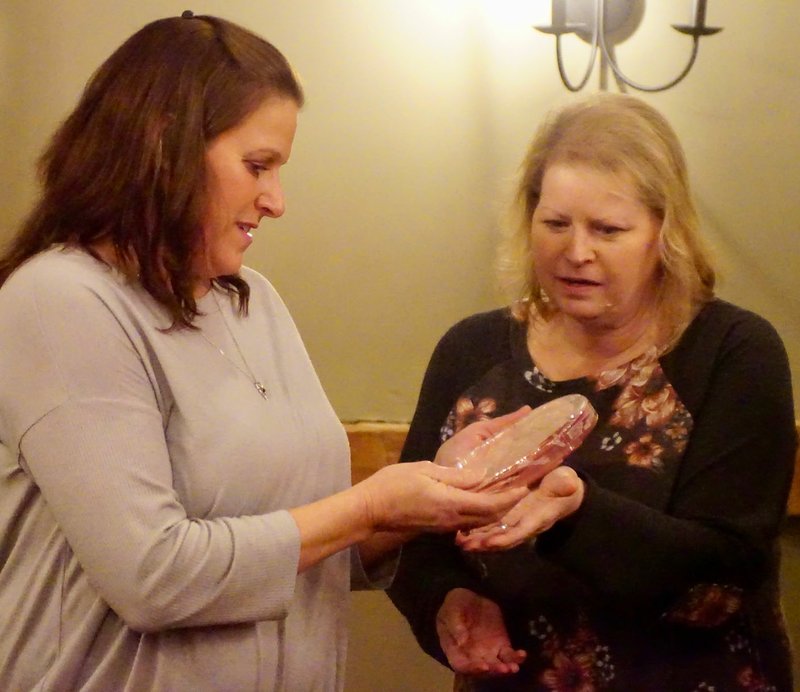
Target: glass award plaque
column 533, row 446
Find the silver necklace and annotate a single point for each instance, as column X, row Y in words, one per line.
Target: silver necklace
column 248, row 373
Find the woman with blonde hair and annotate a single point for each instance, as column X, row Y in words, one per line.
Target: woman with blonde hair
column 648, row 560
column 623, row 136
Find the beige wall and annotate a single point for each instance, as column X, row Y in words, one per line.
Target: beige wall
column 417, row 112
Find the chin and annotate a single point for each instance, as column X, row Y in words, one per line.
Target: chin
column 580, row 310
column 227, row 268
column 594, row 316
column 589, row 317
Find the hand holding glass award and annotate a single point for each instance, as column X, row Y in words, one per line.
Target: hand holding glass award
column 525, row 451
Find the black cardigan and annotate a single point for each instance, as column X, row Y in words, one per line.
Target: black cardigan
column 654, row 552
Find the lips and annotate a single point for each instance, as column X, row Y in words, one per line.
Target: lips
column 246, row 228
column 577, row 281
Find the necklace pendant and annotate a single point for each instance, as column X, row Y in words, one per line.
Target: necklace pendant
column 261, row 389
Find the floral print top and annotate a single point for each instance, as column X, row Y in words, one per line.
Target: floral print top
column 658, row 582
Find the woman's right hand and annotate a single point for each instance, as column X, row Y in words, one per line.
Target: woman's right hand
column 473, row 636
column 439, row 497
column 399, row 501
column 421, row 496
column 559, row 494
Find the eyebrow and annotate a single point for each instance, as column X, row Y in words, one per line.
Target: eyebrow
column 266, row 154
column 549, row 210
column 619, row 219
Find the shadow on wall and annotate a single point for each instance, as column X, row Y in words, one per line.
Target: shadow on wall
column 383, row 654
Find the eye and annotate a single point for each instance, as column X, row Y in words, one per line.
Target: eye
column 608, row 229
column 555, row 224
column 256, row 168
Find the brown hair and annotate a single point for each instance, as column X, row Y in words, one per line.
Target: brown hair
column 128, row 164
column 622, row 135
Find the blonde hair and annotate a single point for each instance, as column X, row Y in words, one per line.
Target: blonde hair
column 622, row 135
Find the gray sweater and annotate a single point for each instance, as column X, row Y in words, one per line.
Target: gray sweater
column 144, row 482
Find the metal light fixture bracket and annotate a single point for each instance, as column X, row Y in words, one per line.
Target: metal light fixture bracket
column 594, row 20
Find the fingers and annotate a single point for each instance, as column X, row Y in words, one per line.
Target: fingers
column 472, row 659
column 473, row 635
column 559, row 495
column 466, row 478
column 493, row 539
column 560, row 482
column 492, row 426
column 452, row 452
column 479, row 509
column 421, row 495
column 481, row 663
column 512, row 657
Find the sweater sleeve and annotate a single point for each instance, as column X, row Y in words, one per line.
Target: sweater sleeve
column 431, row 565
column 731, row 491
column 91, row 437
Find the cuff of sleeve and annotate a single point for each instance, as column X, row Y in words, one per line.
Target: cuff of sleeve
column 380, row 576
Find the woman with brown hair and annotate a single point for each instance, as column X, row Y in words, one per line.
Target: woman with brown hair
column 648, row 561
column 175, row 494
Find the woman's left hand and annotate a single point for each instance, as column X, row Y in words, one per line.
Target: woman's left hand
column 465, row 440
column 473, row 635
column 559, row 494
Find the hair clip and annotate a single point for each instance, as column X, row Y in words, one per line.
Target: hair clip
column 187, row 14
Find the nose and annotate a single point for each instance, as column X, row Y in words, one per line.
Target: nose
column 580, row 247
column 271, row 201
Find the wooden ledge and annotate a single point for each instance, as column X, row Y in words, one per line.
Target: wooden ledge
column 375, row 445
column 794, row 495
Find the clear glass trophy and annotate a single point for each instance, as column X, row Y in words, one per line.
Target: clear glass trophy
column 533, row 446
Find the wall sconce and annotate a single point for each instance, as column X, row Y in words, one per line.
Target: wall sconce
column 596, row 18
